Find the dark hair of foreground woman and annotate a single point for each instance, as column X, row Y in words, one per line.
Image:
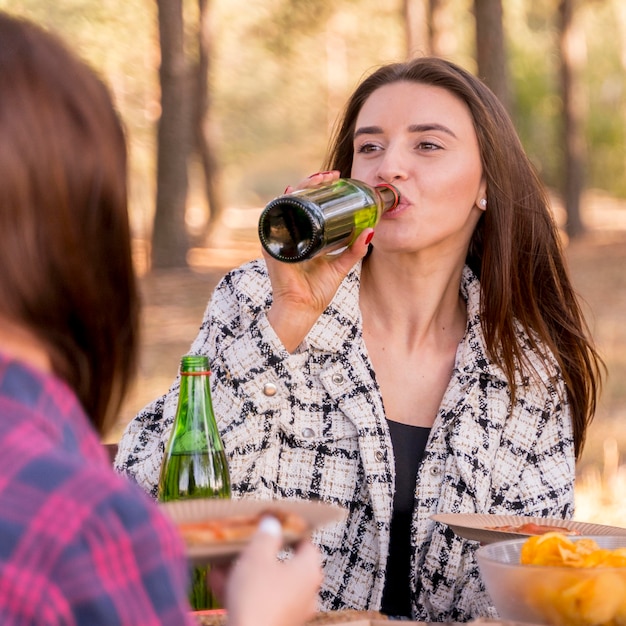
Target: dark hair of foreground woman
column 67, row 270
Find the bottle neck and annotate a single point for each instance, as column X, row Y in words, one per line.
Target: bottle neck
column 389, row 195
column 194, row 410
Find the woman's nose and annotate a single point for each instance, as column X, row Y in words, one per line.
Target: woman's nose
column 392, row 166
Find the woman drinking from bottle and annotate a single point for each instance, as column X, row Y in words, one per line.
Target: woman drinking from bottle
column 441, row 364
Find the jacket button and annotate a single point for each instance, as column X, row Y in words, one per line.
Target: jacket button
column 380, row 455
column 308, row 432
column 270, row 389
column 435, row 470
column 337, row 379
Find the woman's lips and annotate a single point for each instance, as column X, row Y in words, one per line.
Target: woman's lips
column 402, row 206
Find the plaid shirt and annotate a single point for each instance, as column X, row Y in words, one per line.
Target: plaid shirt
column 78, row 544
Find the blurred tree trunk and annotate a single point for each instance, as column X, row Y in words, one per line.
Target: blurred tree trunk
column 205, row 143
column 620, row 14
column 415, row 16
column 572, row 56
column 169, row 236
column 439, row 34
column 428, row 28
column 491, row 49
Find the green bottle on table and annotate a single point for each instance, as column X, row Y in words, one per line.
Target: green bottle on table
column 194, row 465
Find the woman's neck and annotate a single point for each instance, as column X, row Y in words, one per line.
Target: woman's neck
column 407, row 299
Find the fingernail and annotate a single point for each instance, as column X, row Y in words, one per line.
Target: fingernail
column 286, row 189
column 369, row 238
column 270, row 526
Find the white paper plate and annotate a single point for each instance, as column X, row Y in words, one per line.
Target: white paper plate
column 315, row 514
column 482, row 527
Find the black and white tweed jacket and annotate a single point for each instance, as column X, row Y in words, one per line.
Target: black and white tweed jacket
column 312, row 425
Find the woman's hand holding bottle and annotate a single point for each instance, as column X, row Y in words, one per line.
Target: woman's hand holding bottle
column 302, row 291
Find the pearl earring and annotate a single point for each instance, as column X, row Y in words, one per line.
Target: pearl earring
column 483, row 203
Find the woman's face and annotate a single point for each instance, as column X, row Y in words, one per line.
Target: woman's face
column 421, row 139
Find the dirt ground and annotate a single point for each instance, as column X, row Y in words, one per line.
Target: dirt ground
column 174, row 302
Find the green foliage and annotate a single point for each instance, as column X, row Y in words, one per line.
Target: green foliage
column 292, row 16
column 537, row 108
column 605, row 78
column 118, row 39
column 282, row 70
column 276, row 103
column 534, row 67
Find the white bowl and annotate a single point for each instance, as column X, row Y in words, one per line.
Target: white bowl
column 554, row 595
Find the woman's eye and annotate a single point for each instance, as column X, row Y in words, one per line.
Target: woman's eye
column 428, row 146
column 367, row 147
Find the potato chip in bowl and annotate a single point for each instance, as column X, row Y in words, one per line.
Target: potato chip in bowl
column 557, row 580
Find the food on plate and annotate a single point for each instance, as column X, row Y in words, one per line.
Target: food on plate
column 589, row 586
column 321, row 618
column 239, row 528
column 342, row 616
column 531, row 528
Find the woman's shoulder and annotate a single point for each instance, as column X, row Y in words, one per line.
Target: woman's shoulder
column 90, row 535
column 138, row 513
column 79, row 497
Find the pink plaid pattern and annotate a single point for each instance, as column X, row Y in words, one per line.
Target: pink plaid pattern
column 78, row 544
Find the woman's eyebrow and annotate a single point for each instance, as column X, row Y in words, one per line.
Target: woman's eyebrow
column 420, row 128
column 368, row 130
column 414, row 128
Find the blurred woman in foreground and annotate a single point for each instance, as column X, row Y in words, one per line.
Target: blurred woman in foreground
column 79, row 544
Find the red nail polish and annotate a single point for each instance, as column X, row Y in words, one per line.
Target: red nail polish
column 369, row 238
column 286, row 189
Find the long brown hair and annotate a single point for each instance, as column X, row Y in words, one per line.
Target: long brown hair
column 65, row 245
column 515, row 250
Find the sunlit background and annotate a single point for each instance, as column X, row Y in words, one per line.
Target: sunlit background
column 280, row 71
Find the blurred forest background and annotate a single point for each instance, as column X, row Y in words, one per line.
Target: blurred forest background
column 227, row 101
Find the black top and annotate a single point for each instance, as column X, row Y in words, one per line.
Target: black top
column 409, row 443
